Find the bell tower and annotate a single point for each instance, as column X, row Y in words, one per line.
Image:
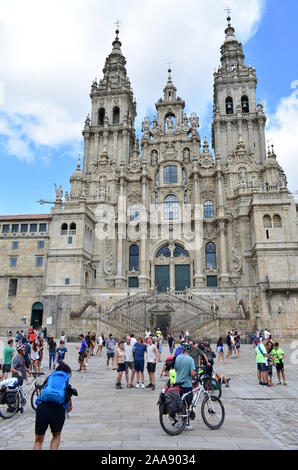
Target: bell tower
column 110, row 130
column 236, row 114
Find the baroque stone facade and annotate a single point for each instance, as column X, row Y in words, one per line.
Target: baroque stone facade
column 116, row 239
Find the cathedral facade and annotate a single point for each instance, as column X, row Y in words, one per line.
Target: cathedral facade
column 161, row 231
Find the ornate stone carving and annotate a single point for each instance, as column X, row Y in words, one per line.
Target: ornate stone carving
column 108, row 265
column 170, row 151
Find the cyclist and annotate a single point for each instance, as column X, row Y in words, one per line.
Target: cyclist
column 18, row 367
column 186, row 370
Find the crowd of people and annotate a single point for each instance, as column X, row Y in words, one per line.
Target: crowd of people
column 129, row 357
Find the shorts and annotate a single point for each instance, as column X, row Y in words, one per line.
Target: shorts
column 220, row 349
column 6, row 367
column 151, row 367
column 230, row 347
column 82, row 357
column 121, row 367
column 129, row 365
column 280, row 366
column 110, row 355
column 49, row 414
column 139, row 366
column 261, row 366
column 237, row 345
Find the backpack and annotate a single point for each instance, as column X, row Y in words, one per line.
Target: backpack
column 173, row 401
column 55, row 388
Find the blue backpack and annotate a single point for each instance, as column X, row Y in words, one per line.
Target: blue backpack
column 55, row 388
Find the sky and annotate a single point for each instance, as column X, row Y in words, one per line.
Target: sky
column 50, row 52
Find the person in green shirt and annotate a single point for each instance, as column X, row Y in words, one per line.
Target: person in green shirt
column 7, row 358
column 278, row 356
column 262, row 363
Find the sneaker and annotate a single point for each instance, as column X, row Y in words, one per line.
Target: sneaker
column 143, row 386
column 188, row 427
column 119, row 386
column 279, row 383
column 153, row 387
column 228, row 380
column 138, row 385
column 149, row 386
column 285, row 383
column 261, row 383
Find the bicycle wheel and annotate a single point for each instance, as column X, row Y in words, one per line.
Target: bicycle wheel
column 7, row 411
column 173, row 425
column 213, row 412
column 36, row 392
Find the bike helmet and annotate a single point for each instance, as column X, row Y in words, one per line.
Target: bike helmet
column 186, row 347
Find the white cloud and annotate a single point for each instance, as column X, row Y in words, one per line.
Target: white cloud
column 52, row 50
column 283, row 131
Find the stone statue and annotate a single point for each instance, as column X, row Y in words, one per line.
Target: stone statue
column 108, row 267
column 243, row 176
column 170, row 124
column 236, row 261
column 194, row 120
column 59, row 192
column 154, row 157
column 186, row 155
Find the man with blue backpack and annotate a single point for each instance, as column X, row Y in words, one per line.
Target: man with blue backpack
column 54, row 402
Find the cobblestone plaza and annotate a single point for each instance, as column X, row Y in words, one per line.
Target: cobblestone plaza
column 104, row 418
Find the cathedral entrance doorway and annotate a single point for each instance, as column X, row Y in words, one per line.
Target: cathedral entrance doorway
column 172, row 268
column 162, row 278
column 36, row 315
column 182, row 277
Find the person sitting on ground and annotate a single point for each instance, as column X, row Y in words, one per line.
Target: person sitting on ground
column 53, row 403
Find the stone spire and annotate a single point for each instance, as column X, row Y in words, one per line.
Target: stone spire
column 115, row 74
column 231, row 50
column 169, row 91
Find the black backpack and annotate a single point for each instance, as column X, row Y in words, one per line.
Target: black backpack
column 173, row 401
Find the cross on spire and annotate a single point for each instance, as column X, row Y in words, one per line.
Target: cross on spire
column 117, row 24
column 229, row 11
column 169, row 65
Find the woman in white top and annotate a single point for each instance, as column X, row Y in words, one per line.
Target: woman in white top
column 34, row 356
column 120, row 362
column 99, row 341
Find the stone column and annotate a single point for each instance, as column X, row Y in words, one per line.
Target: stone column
column 229, row 136
column 251, row 137
column 198, row 280
column 96, row 145
column 262, row 140
column 115, row 144
column 144, row 280
column 121, row 232
column 221, row 224
column 87, row 165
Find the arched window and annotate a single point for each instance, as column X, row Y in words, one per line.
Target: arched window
column 116, row 115
column 171, row 207
column 134, row 212
column 184, row 177
column 157, row 178
column 72, row 228
column 101, row 116
column 229, row 105
column 277, row 221
column 245, row 104
column 64, row 228
column 210, row 253
column 134, row 258
column 164, row 251
column 185, row 197
column 179, row 250
column 208, row 210
column 267, row 221
column 170, row 174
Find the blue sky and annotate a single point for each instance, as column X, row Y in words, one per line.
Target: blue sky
column 41, row 116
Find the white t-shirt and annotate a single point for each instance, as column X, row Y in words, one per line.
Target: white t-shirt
column 62, row 338
column 34, row 355
column 266, row 334
column 99, row 340
column 151, row 352
column 128, row 348
column 133, row 341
